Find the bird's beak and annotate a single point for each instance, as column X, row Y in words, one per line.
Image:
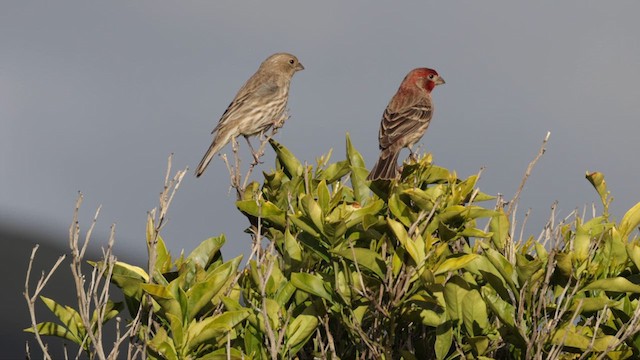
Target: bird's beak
column 299, row 67
column 439, row 81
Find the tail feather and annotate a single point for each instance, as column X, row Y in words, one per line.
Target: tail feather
column 220, row 140
column 386, row 168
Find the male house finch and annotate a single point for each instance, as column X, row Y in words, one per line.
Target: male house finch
column 259, row 103
column 405, row 120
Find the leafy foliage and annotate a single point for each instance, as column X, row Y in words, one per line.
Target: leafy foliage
column 413, row 268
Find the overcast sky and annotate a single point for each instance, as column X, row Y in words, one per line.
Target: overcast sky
column 95, row 95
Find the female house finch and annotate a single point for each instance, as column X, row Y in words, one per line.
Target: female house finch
column 259, row 103
column 405, row 120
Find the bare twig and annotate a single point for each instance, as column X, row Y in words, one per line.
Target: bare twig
column 527, row 173
column 31, row 298
column 238, row 182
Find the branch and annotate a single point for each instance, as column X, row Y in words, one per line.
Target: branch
column 238, row 182
column 31, row 299
column 541, row 152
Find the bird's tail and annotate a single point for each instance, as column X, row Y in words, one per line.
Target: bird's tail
column 219, row 141
column 386, row 168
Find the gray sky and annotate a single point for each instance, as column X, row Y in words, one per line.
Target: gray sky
column 95, row 95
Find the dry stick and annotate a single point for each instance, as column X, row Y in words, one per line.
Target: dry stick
column 332, row 346
column 263, row 278
column 158, row 218
column 596, row 328
column 528, row 172
column 235, row 173
column 263, row 144
column 625, row 331
column 83, row 295
column 524, row 224
column 31, row 299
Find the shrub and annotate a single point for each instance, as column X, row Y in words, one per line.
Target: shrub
column 346, row 269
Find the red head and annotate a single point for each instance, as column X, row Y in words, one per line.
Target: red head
column 424, row 78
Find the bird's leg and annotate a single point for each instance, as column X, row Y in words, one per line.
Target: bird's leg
column 256, row 156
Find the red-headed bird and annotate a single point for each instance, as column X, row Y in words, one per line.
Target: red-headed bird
column 405, row 120
column 259, row 103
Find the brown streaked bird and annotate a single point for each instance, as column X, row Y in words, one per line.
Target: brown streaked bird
column 259, row 103
column 405, row 120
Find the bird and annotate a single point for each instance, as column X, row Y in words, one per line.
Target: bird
column 405, row 120
column 259, row 103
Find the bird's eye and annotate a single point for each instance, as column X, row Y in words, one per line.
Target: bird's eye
column 431, row 76
column 292, row 61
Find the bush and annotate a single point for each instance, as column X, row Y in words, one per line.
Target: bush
column 346, row 269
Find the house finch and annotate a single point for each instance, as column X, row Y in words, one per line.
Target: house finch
column 405, row 120
column 259, row 103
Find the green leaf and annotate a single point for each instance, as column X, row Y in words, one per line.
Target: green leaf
column 499, row 226
column 476, row 233
column 592, row 304
column 359, row 173
column 128, row 278
column 528, row 270
column 444, row 339
column 407, row 243
column 201, row 293
column 633, row 251
column 436, row 174
column 618, row 284
column 301, row 224
column 111, row 310
column 577, row 338
column 455, row 263
column 161, row 343
column 164, row 298
column 293, row 250
column 163, row 258
column 67, row 315
column 480, row 344
column 430, row 317
column 474, row 314
column 324, row 196
column 206, row 251
column 425, row 199
column 366, row 258
column 221, row 354
column 285, row 293
column 265, row 210
column 358, row 213
column 313, row 211
column 335, row 171
column 504, row 310
column 53, row 329
column 483, row 197
column 597, row 180
column 630, row 221
column 455, row 291
column 300, row 330
column 290, row 164
column 311, row 284
column 400, row 210
column 504, row 267
column 177, row 330
column 213, row 328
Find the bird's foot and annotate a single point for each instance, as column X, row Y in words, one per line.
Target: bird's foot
column 256, row 158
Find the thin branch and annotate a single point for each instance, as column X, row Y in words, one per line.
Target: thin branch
column 31, row 299
column 527, row 173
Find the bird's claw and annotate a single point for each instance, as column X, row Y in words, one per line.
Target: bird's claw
column 256, row 158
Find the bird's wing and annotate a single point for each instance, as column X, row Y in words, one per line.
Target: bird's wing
column 249, row 93
column 406, row 121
